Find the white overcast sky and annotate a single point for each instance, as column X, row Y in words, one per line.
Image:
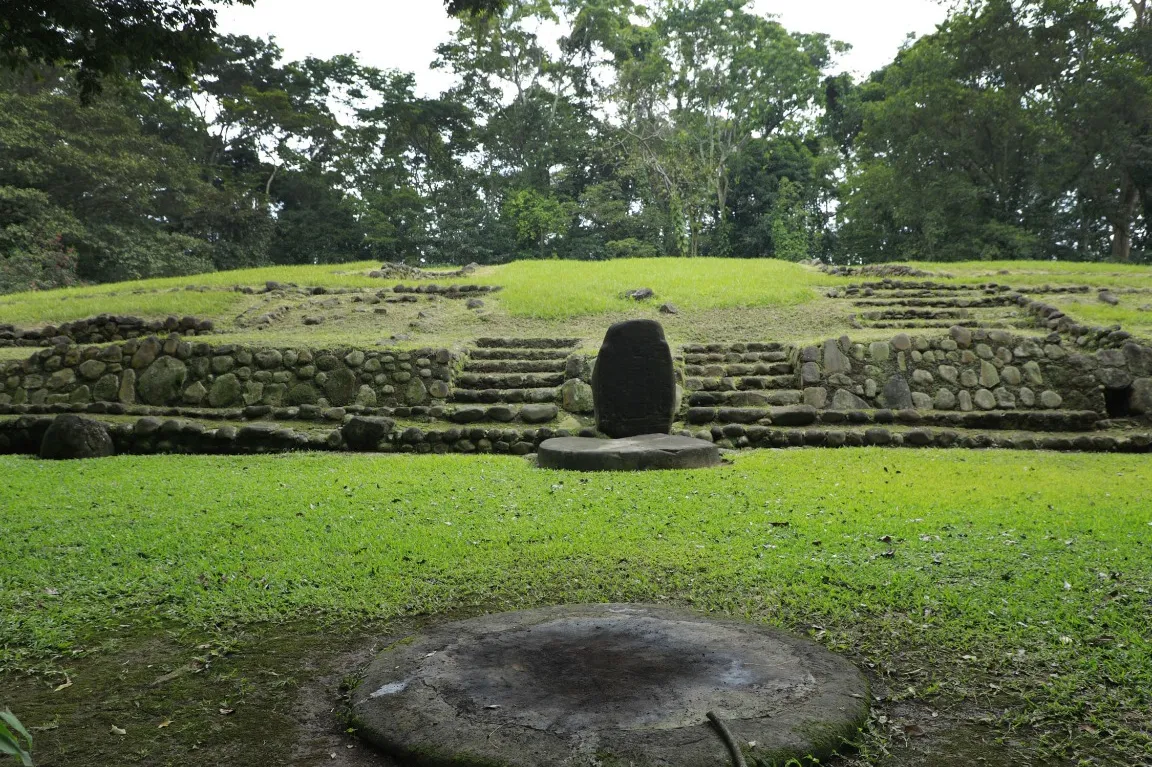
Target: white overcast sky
column 403, row 34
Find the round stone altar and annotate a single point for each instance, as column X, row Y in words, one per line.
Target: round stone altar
column 621, row 684
column 649, row 451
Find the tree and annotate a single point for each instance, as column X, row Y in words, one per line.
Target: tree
column 95, row 39
column 710, row 78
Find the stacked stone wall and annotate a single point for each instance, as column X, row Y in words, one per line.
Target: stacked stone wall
column 106, row 328
column 177, row 372
column 974, row 370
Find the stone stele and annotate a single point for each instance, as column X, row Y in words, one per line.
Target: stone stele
column 634, row 383
column 613, row 684
column 649, row 451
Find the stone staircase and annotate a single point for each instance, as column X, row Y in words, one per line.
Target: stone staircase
column 742, row 383
column 906, row 305
column 503, row 378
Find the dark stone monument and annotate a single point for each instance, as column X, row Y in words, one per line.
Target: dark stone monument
column 634, row 384
column 649, row 451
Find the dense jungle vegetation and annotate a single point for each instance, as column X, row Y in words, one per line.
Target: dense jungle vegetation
column 575, row 129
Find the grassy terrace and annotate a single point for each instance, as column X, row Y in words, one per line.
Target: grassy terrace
column 1006, row 592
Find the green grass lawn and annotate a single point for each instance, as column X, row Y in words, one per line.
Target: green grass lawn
column 1018, row 581
column 1035, row 273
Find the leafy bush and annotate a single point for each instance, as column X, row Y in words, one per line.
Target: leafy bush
column 13, row 738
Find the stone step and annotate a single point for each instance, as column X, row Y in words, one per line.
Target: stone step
column 515, row 366
column 735, row 357
column 745, row 399
column 983, row 302
column 503, row 396
column 918, row 314
column 529, row 413
column 731, row 370
column 527, row 343
column 519, row 354
column 741, row 347
column 919, row 324
column 508, row 380
column 748, row 383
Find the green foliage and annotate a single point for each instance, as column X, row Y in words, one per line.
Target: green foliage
column 1017, row 130
column 790, row 226
column 14, row 739
column 136, row 38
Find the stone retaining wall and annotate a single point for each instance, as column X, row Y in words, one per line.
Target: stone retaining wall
column 174, row 371
column 977, row 370
column 105, row 328
column 152, row 435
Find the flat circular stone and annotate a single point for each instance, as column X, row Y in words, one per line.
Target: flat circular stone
column 619, row 684
column 650, row 451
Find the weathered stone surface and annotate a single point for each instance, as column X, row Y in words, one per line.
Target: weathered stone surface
column 127, row 391
column 1139, row 359
column 630, row 679
column 810, row 374
column 1051, row 400
column 634, row 383
column 1027, row 397
column 1141, row 401
column 944, row 400
column 921, row 401
column 416, row 393
column 226, row 391
column 161, row 383
column 146, row 352
column 792, row 415
column 365, row 433
column 989, row 376
column 538, row 413
column 901, row 342
column 70, row 436
column 962, row 336
column 1033, row 374
column 438, row 390
column 644, row 452
column 816, row 396
column 1012, row 376
column 835, row 361
column 922, row 377
column 846, row 400
column 92, row 369
column 949, row 374
column 303, row 394
column 879, row 351
column 1005, row 400
column 897, row 395
column 341, row 386
column 969, row 379
column 576, row 396
column 195, row 394
column 985, row 400
column 1114, row 378
column 106, row 388
column 964, row 399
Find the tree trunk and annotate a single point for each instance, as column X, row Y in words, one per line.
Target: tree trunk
column 1122, row 223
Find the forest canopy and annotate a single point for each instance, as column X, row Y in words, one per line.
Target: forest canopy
column 150, row 145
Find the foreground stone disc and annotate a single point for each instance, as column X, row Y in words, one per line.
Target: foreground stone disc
column 651, row 451
column 621, row 684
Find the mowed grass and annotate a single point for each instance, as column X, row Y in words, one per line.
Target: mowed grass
column 557, row 289
column 1015, row 581
column 57, row 306
column 1037, row 273
column 547, row 290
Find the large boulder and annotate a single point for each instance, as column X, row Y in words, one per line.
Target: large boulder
column 897, row 394
column 160, row 384
column 70, row 436
column 341, row 387
column 365, row 433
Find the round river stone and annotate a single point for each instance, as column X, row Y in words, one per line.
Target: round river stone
column 650, row 451
column 619, row 684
